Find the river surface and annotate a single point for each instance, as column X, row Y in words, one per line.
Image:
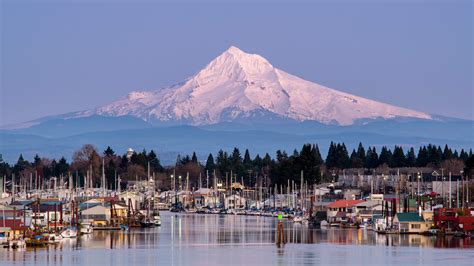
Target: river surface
column 198, row 239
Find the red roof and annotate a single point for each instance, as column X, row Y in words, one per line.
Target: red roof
column 344, row 203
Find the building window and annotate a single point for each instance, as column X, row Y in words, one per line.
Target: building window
column 415, row 226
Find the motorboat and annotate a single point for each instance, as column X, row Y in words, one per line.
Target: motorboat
column 86, row 229
column 17, row 243
column 298, row 219
column 53, row 238
column 36, row 241
column 124, row 227
column 157, row 220
column 147, row 223
column 69, row 232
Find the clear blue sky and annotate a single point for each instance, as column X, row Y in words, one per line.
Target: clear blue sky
column 61, row 57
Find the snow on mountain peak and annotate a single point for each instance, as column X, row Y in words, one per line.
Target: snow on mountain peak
column 239, row 85
column 236, row 64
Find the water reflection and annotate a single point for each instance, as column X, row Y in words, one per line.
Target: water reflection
column 235, row 230
column 183, row 238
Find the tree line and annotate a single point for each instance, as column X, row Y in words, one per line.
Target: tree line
column 258, row 170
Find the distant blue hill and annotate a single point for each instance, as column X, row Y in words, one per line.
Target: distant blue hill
column 58, row 127
column 57, row 138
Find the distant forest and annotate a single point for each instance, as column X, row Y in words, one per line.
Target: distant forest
column 258, row 170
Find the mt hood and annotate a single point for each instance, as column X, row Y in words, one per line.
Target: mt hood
column 238, row 85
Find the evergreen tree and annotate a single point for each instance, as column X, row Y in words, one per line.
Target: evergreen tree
column 455, row 154
column 123, row 163
column 185, row 160
column 469, row 167
column 140, row 159
column 361, row 153
column 411, row 158
column 109, row 152
column 356, row 162
column 267, row 160
column 247, row 161
column 463, row 155
column 36, row 160
column 434, row 155
column 179, row 160
column 236, row 163
column 210, row 165
column 257, row 163
column 155, row 164
column 331, row 159
column 371, row 158
column 283, row 169
column 110, row 171
column 62, row 167
column 281, row 156
column 385, row 156
column 398, row 158
column 20, row 165
column 318, row 160
column 223, row 162
column 4, row 167
column 447, row 153
column 307, row 161
column 53, row 169
column 194, row 158
column 422, row 158
column 342, row 156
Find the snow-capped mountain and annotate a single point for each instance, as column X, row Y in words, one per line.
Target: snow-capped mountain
column 238, row 85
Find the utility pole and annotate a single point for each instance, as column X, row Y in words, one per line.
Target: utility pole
column 104, row 189
column 442, row 186
column 450, row 194
column 301, row 190
column 200, row 181
column 457, row 193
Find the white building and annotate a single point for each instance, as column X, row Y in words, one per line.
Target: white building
column 234, row 202
column 135, row 198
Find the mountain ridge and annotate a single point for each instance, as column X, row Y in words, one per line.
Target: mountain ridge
column 238, row 85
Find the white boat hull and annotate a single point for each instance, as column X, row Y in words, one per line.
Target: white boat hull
column 69, row 233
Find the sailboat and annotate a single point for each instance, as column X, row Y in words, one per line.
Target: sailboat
column 147, row 221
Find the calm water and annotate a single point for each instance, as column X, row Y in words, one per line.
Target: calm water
column 186, row 239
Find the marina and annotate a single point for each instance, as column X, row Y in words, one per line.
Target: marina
column 208, row 239
column 221, row 133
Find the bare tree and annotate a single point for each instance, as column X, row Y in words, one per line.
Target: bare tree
column 135, row 171
column 87, row 158
column 455, row 166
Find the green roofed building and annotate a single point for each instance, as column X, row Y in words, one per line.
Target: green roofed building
column 411, row 223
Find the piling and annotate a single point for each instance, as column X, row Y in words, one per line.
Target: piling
column 280, row 239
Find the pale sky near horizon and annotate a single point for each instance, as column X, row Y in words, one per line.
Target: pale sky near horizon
column 63, row 56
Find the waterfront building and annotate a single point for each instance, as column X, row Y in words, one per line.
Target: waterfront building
column 339, row 210
column 12, row 227
column 411, row 223
column 203, row 197
column 453, row 219
column 367, row 209
column 234, row 202
column 134, row 197
column 97, row 215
